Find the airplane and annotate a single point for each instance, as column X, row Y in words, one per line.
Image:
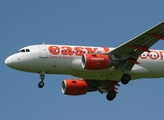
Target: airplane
column 95, row 68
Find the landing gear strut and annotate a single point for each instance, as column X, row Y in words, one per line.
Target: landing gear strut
column 125, row 79
column 41, row 83
column 111, row 95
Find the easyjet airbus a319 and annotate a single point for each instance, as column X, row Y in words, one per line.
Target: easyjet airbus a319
column 95, row 68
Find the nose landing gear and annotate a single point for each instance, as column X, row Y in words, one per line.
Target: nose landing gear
column 42, row 77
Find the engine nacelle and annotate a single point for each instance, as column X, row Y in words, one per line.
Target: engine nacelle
column 95, row 61
column 74, row 87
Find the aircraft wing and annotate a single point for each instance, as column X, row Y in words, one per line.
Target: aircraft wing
column 131, row 50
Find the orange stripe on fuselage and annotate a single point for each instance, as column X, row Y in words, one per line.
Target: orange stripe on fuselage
column 77, row 50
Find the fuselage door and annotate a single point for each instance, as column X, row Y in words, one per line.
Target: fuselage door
column 42, row 51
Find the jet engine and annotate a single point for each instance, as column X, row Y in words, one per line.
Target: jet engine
column 74, row 87
column 95, row 61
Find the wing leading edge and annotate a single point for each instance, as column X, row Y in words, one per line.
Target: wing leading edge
column 129, row 52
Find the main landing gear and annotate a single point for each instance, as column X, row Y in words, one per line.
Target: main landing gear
column 111, row 95
column 113, row 90
column 42, row 76
column 125, row 79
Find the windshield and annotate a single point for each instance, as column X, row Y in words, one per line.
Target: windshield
column 23, row 50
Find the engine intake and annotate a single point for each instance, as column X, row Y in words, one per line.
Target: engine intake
column 74, row 87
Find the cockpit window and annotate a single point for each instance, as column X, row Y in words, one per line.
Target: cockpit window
column 27, row 50
column 24, row 50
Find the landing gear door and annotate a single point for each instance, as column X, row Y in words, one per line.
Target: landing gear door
column 42, row 51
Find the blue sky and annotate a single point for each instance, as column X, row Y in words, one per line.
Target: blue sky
column 74, row 22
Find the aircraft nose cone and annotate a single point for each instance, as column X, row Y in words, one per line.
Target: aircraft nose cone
column 8, row 61
column 13, row 62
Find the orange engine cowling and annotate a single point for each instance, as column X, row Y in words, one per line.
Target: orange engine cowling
column 74, row 87
column 95, row 61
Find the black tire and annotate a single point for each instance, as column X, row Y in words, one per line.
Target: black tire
column 40, row 84
column 125, row 79
column 111, row 95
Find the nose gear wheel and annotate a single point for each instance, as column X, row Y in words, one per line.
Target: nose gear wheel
column 42, row 77
column 40, row 84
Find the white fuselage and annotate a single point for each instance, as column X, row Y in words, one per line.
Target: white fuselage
column 65, row 59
